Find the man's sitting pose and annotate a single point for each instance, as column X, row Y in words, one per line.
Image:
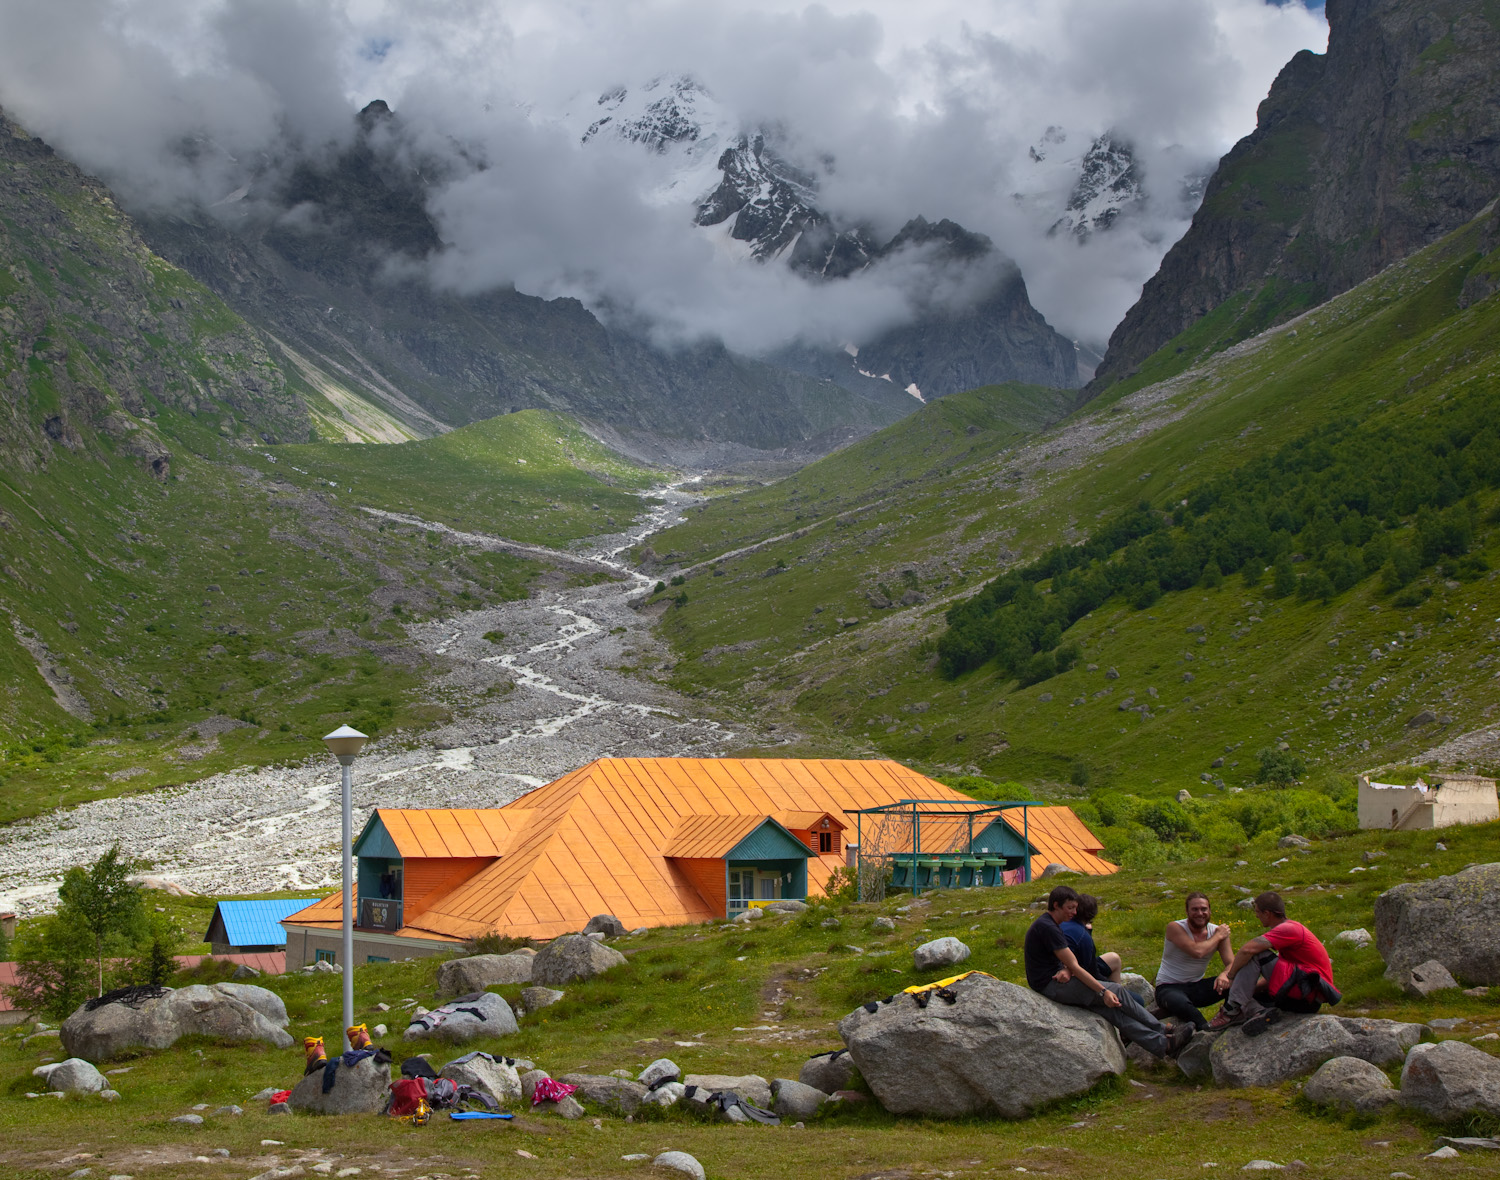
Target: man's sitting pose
column 1181, row 989
column 1287, row 965
column 1080, row 934
column 1053, row 970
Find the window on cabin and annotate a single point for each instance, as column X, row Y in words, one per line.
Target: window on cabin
column 825, row 841
column 324, row 957
column 376, row 959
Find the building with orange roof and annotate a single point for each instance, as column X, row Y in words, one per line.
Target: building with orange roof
column 653, row 841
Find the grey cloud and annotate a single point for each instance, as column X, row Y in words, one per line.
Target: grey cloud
column 901, row 110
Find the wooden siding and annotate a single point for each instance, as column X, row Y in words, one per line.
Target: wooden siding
column 427, row 878
column 708, row 878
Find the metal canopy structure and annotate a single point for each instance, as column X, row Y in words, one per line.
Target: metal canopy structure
column 931, row 842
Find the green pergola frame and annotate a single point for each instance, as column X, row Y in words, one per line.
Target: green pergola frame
column 933, row 808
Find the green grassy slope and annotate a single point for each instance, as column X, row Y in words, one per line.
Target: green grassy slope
column 243, row 589
column 1213, row 673
column 762, row 998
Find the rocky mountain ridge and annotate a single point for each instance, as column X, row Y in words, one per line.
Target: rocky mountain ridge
column 1359, row 157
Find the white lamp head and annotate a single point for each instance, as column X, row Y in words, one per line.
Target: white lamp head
column 345, row 743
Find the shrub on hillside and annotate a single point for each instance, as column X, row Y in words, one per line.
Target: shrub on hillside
column 1280, row 767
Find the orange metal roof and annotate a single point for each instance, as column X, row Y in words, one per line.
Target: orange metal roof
column 710, row 836
column 1060, row 836
column 603, row 838
column 801, row 821
column 447, row 833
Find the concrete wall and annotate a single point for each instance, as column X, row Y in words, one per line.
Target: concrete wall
column 1457, row 800
column 304, row 942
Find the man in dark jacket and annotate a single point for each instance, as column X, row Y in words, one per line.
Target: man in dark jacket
column 1054, row 971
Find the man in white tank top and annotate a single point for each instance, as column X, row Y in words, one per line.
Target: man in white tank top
column 1181, row 989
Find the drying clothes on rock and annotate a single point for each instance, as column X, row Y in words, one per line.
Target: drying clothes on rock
column 351, row 1058
column 551, row 1090
column 131, row 997
column 465, row 1004
column 417, row 1067
column 918, row 988
column 732, row 1106
column 280, row 1096
column 409, row 1101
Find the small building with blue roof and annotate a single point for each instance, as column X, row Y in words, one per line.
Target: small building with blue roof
column 247, row 927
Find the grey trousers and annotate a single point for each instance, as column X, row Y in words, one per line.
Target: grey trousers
column 1241, row 997
column 1130, row 1018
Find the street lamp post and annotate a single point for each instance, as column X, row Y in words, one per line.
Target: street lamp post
column 345, row 744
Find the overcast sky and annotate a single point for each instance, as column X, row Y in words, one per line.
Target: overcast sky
column 906, row 108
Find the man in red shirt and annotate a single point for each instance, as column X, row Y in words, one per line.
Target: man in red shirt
column 1286, row 966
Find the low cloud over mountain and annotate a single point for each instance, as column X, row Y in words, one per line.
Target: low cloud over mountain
column 988, row 115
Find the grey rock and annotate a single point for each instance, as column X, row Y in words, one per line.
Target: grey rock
column 361, row 1088
column 1449, row 1080
column 534, row 999
column 1195, row 1061
column 1468, row 1143
column 828, row 1071
column 108, row 1095
column 662, row 1069
column 882, row 923
column 1000, row 1049
column 940, row 952
column 666, row 1094
column 1446, row 1023
column 188, row 1120
column 794, row 1100
column 752, row 1088
column 231, row 1110
column 460, row 1026
column 278, row 1108
column 830, row 924
column 679, row 1161
column 495, row 1078
column 753, row 914
column 619, row 1095
column 1298, row 1044
column 459, row 977
column 1350, row 1084
column 605, row 924
column 74, row 1076
column 1359, row 937
column 266, row 1002
column 1058, row 870
column 573, row 957
column 1291, row 841
column 245, row 971
column 789, row 906
column 565, row 1108
column 1140, row 987
column 112, row 1029
column 1448, row 919
column 1429, row 977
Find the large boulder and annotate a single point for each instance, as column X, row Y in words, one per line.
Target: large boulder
column 111, row 1029
column 267, row 1003
column 605, row 924
column 1140, row 987
column 534, row 999
column 663, row 1069
column 459, row 977
column 1449, row 919
column 1350, row 1084
column 828, row 1071
column 619, row 1095
column 482, row 1072
column 998, row 1048
column 573, row 957
column 1450, row 1079
column 463, row 1019
column 75, row 1075
column 940, row 952
column 1298, row 1044
column 752, row 1088
column 361, row 1088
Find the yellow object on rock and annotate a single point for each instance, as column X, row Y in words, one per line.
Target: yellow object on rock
column 918, row 988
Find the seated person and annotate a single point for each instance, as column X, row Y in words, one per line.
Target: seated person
column 1080, row 935
column 1053, row 970
column 1286, row 966
column 1181, row 989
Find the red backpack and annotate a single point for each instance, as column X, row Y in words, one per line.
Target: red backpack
column 409, row 1100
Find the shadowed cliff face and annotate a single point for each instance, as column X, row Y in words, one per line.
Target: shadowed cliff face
column 1359, row 157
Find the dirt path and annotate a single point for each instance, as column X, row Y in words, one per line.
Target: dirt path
column 570, row 682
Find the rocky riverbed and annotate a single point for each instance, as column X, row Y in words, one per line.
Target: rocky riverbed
column 570, row 682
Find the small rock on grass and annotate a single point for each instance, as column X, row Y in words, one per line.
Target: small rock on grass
column 1468, row 1143
column 188, row 1120
column 1263, row 1166
column 1444, row 1153
column 680, row 1161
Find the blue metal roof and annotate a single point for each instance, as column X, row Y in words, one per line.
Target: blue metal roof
column 258, row 923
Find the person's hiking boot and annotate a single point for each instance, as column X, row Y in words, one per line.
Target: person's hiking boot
column 359, row 1036
column 1225, row 1018
column 1178, row 1037
column 1261, row 1021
